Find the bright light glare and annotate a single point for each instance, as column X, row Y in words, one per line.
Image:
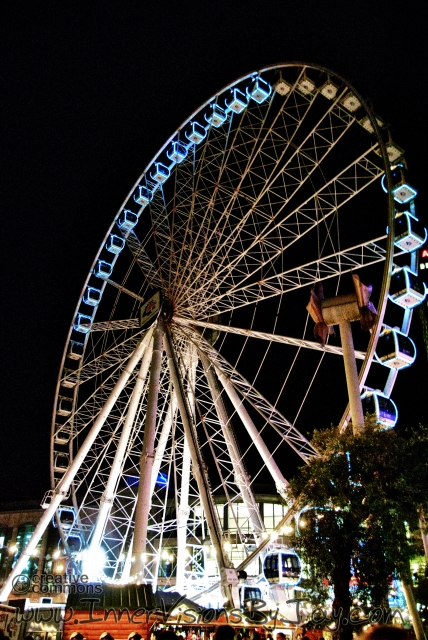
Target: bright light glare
column 93, row 562
column 227, row 546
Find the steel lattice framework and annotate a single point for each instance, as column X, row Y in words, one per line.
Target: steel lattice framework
column 160, row 429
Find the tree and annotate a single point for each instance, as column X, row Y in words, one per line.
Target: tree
column 363, row 495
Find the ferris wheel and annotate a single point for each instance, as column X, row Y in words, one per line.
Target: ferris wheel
column 191, row 374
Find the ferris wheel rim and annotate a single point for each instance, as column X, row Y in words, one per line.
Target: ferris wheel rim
column 252, row 74
column 275, row 66
column 388, row 260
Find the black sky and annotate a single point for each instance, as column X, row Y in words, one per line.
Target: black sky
column 91, row 92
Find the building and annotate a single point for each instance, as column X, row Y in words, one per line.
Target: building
column 50, row 567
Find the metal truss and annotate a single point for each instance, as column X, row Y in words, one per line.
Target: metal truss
column 240, row 210
column 100, row 364
column 115, row 325
column 271, row 337
column 286, row 430
column 277, row 237
column 274, row 197
column 143, row 260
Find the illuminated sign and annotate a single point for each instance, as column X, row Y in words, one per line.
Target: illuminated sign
column 424, row 253
column 150, row 309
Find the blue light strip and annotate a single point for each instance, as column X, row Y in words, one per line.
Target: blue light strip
column 179, row 149
column 412, row 193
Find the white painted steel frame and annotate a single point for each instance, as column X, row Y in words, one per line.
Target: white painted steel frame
column 226, row 221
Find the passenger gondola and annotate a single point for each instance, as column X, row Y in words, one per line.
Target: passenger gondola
column 406, row 288
column 394, row 349
column 385, row 410
column 283, row 567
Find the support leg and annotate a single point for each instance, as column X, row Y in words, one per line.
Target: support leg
column 413, row 610
column 280, row 482
column 64, row 485
column 182, row 518
column 239, row 470
column 355, row 404
column 198, row 465
column 106, row 502
column 147, row 458
column 163, row 438
column 183, row 508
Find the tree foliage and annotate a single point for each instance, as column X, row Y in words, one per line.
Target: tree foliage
column 363, row 495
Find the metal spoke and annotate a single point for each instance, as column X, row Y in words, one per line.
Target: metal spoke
column 270, row 337
column 143, row 260
column 265, row 190
column 335, row 194
column 331, row 266
column 286, row 430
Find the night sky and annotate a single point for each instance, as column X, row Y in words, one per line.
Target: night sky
column 91, row 92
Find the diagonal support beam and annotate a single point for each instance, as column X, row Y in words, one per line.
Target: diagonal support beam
column 61, row 491
column 198, row 465
column 280, row 482
column 241, row 477
column 270, row 414
column 142, row 508
column 106, row 502
column 142, row 259
column 270, row 337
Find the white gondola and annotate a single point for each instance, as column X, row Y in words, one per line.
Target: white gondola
column 385, row 410
column 249, row 593
column 92, row 296
column 177, row 152
column 282, row 567
column 103, row 269
column 161, row 173
column 351, row 102
column 402, row 191
column 75, row 350
column 196, row 133
column 306, row 85
column 74, row 543
column 394, row 349
column 260, row 90
column 238, row 101
column 65, row 406
column 127, row 219
column 406, row 288
column 218, row 116
column 66, row 516
column 47, row 499
column 144, row 196
column 69, row 379
column 61, row 436
column 82, row 324
column 115, row 244
column 61, row 462
column 282, row 87
column 410, row 234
